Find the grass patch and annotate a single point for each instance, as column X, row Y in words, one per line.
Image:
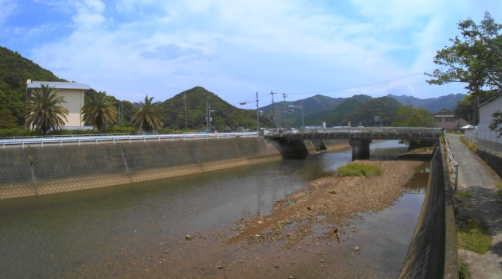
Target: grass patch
column 473, row 237
column 463, row 271
column 355, row 169
column 472, row 146
column 499, row 186
column 460, row 194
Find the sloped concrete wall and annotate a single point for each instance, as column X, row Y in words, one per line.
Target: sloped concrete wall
column 433, row 250
column 47, row 170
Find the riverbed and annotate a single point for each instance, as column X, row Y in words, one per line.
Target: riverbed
column 140, row 230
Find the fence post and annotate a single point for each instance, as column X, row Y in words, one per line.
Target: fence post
column 42, row 141
column 78, row 141
column 22, row 142
column 456, row 176
column 96, row 141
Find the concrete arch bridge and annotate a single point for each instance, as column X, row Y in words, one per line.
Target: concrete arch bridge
column 299, row 143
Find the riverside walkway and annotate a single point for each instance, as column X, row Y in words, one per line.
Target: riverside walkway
column 479, row 180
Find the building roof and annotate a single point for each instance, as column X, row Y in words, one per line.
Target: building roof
column 491, row 100
column 444, row 112
column 59, row 85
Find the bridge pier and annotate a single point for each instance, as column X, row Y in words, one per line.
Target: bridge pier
column 360, row 149
column 291, row 149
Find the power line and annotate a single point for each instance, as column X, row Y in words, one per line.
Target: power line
column 353, row 87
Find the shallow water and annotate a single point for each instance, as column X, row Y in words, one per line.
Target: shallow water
column 139, row 230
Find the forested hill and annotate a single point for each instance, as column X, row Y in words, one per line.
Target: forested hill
column 225, row 115
column 335, row 115
column 14, row 71
column 431, row 104
column 384, row 107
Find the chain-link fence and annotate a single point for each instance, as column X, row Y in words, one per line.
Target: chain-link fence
column 485, row 139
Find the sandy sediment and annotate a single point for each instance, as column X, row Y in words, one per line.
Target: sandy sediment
column 329, row 202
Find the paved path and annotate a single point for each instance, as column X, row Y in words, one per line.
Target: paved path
column 479, row 180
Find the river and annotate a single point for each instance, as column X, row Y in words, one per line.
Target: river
column 138, row 230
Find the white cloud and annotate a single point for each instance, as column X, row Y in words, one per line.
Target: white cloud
column 160, row 48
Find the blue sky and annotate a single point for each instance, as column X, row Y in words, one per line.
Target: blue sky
column 233, row 48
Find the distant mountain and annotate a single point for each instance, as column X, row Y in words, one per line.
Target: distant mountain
column 433, row 105
column 311, row 105
column 14, row 71
column 335, row 115
column 224, row 115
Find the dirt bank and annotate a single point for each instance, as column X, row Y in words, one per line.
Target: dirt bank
column 327, row 205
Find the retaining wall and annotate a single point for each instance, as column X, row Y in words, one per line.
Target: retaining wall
column 39, row 171
column 433, row 250
column 494, row 161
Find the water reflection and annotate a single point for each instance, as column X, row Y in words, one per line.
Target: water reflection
column 64, row 234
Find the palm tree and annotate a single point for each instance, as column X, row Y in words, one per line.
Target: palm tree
column 44, row 111
column 99, row 109
column 148, row 116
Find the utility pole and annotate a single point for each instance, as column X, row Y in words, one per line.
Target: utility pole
column 273, row 108
column 285, row 110
column 186, row 119
column 303, row 122
column 207, row 119
column 257, row 117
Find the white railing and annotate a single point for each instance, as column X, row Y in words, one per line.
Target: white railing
column 78, row 140
column 486, row 139
column 308, row 130
column 451, row 159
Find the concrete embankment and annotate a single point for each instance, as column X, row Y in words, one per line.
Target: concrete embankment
column 40, row 171
column 433, row 251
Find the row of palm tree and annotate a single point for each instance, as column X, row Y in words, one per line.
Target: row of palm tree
column 44, row 111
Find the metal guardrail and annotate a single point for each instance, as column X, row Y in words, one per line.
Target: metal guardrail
column 453, row 163
column 273, row 132
column 60, row 141
column 63, row 136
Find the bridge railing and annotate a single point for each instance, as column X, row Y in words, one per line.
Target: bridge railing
column 373, row 130
column 60, row 141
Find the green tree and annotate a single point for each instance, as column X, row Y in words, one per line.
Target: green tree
column 98, row 110
column 474, row 58
column 408, row 116
column 7, row 120
column 44, row 111
column 148, row 117
column 496, row 124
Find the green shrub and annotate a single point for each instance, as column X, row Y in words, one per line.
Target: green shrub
column 17, row 132
column 463, row 271
column 354, row 169
column 460, row 194
column 472, row 146
column 473, row 237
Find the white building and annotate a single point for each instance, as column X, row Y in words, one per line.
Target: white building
column 73, row 94
column 486, row 110
column 487, row 138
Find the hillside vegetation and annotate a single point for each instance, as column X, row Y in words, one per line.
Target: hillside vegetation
column 225, row 116
column 14, row 71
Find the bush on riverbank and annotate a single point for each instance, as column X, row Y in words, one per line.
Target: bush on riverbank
column 355, row 169
column 473, row 237
column 473, row 147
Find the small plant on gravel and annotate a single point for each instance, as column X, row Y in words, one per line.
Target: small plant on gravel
column 499, row 186
column 355, row 169
column 460, row 195
column 463, row 271
column 473, row 237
